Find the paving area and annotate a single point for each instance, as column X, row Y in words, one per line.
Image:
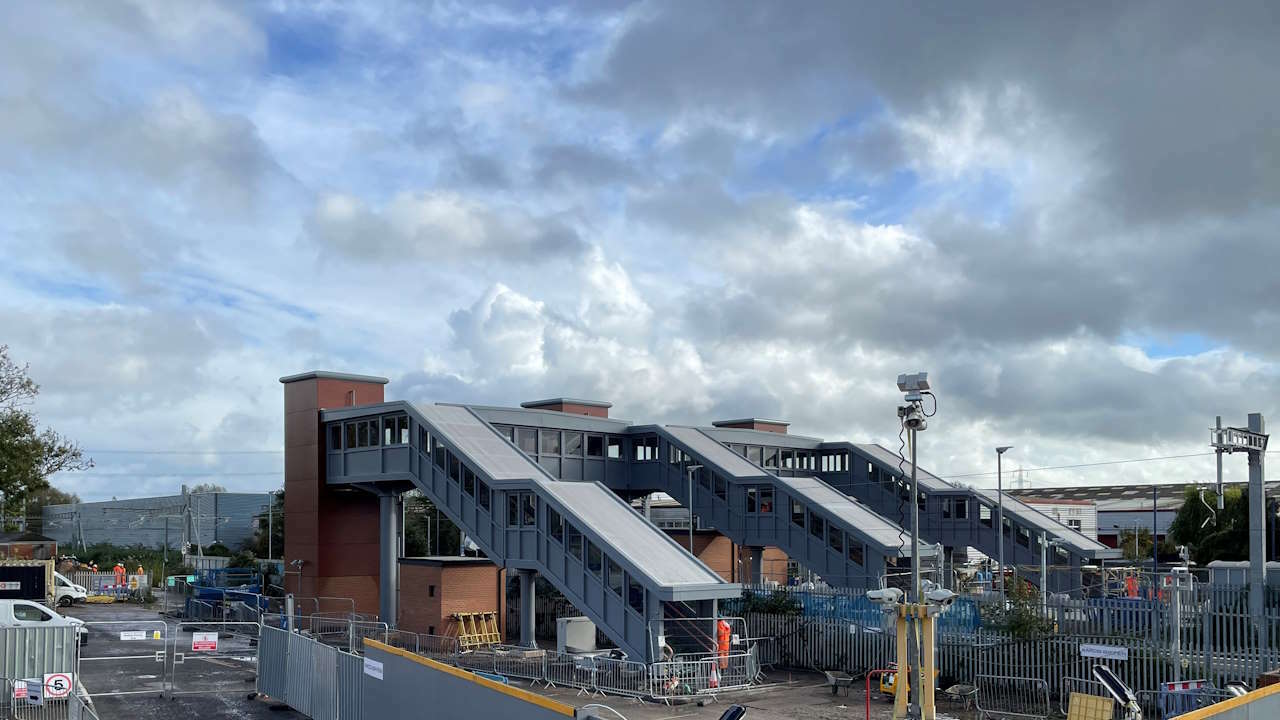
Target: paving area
column 801, row 696
column 125, row 679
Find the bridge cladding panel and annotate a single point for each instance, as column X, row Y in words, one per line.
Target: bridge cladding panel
column 332, row 531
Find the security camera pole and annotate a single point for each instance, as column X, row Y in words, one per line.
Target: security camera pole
column 912, row 417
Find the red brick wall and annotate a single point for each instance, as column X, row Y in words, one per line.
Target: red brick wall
column 458, row 589
column 717, row 552
column 334, row 533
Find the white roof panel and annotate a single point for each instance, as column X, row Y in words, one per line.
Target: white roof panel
column 816, row 493
column 1027, row 514
column 927, row 480
column 633, row 538
column 728, row 460
column 478, row 441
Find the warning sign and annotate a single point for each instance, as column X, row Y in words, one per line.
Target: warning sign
column 57, row 685
column 19, row 689
column 10, row 585
column 133, row 634
column 204, row 642
column 35, row 691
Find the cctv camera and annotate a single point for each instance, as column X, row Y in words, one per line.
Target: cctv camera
column 912, row 417
column 885, row 596
column 940, row 596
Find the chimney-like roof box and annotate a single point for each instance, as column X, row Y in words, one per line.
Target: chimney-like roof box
column 574, row 406
column 777, row 426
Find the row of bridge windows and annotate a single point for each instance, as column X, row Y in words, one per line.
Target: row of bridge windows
column 375, row 432
column 604, row 568
column 562, row 443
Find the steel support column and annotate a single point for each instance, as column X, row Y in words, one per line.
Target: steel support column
column 1257, row 537
column 389, row 549
column 527, row 596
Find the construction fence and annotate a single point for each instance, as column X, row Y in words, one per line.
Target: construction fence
column 1199, row 633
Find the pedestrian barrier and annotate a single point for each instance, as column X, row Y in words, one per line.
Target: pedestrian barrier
column 1002, row 696
column 1167, row 703
column 519, row 662
column 615, row 676
column 125, row 657
column 315, row 679
column 214, row 657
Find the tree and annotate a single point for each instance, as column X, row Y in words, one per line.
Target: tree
column 28, row 455
column 1213, row 534
column 37, row 501
column 272, row 522
column 206, row 488
column 421, row 531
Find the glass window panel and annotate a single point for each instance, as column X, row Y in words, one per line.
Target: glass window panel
column 335, row 437
column 797, row 513
column 817, row 527
column 594, row 559
column 468, row 481
column 549, row 442
column 751, row 500
column 483, row 490
column 771, row 457
column 529, row 517
column 513, row 509
column 403, row 425
column 961, row 508
column 835, row 538
column 527, row 440
column 615, row 447
column 351, row 435
column 754, row 453
column 722, row 488
column 766, row 500
column 855, row 552
column 635, row 596
column 557, row 526
column 615, row 578
column 441, row 456
column 595, row 446
column 362, row 429
column 573, row 444
column 573, row 539
column 984, row 514
column 455, row 469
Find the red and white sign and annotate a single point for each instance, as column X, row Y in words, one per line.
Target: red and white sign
column 1184, row 685
column 57, row 685
column 204, row 642
column 19, row 689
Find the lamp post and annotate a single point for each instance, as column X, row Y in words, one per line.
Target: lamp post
column 689, row 471
column 1000, row 451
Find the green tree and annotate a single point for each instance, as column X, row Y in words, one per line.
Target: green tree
column 274, row 521
column 28, row 455
column 37, row 501
column 206, row 488
column 423, row 535
column 1213, row 534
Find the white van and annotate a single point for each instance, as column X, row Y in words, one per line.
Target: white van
column 24, row 613
column 67, row 593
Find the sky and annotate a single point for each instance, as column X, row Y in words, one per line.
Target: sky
column 1065, row 213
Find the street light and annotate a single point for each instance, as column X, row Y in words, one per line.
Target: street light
column 1000, row 451
column 690, row 470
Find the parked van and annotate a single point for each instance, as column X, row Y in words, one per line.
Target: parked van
column 24, row 613
column 67, row 593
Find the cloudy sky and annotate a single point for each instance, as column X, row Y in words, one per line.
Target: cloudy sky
column 1066, row 215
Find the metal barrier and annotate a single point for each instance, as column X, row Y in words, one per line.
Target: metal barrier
column 125, row 657
column 27, row 652
column 570, row 671
column 222, row 657
column 1165, row 704
column 315, row 679
column 31, row 700
column 706, row 674
column 438, row 648
column 519, row 662
column 628, row 678
column 1002, row 696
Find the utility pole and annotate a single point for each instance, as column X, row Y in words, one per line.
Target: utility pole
column 1251, row 440
column 1000, row 451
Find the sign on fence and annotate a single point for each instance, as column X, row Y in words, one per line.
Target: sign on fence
column 373, row 669
column 204, row 642
column 1105, row 652
column 34, row 691
column 133, row 634
column 56, row 685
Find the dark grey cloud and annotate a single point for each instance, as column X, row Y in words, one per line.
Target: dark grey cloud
column 579, row 165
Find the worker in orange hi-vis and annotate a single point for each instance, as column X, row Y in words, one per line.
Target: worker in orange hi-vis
column 724, row 634
column 120, row 573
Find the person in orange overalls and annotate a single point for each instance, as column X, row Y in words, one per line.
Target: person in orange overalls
column 120, row 573
column 724, row 634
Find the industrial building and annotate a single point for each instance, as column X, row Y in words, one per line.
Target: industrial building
column 545, row 489
column 166, row 521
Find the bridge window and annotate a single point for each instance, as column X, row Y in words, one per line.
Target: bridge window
column 1008, row 526
column 751, row 500
column 527, row 440
column 556, row 523
column 615, row 578
column 468, row 481
column 549, row 442
column 771, row 457
column 594, row 559
column 855, row 552
column 722, row 488
column 635, row 595
column 984, row 514
column 766, row 501
column 646, row 448
column 816, row 525
column 595, row 446
column 513, row 509
column 755, row 454
column 615, row 448
column 335, row 437
column 362, row 434
column 573, row 539
column 529, row 518
column 351, row 435
column 1024, row 537
column 441, row 456
column 788, row 459
column 483, row 495
column 704, row 478
column 573, row 444
column 835, row 538
column 961, row 508
column 807, row 458
column 1063, row 555
column 922, row 501
column 506, row 431
column 395, row 430
column 455, row 468
column 797, row 513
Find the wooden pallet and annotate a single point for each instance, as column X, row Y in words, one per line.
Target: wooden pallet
column 477, row 630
